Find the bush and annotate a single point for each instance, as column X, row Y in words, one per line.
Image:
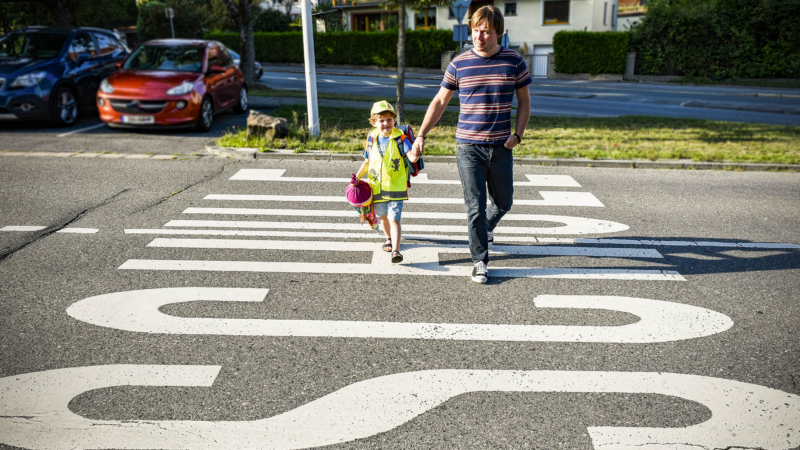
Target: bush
column 423, row 48
column 271, row 20
column 590, row 52
column 719, row 39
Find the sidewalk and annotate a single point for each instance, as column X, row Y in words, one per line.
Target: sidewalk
column 358, row 71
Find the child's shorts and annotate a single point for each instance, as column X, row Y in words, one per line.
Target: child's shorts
column 392, row 208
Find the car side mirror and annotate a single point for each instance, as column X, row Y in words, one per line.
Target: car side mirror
column 83, row 56
column 216, row 69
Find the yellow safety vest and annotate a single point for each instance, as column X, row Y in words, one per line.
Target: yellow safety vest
column 388, row 173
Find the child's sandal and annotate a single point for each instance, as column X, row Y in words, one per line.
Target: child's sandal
column 397, row 257
column 387, row 246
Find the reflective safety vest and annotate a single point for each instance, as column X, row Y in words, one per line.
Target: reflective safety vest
column 388, row 171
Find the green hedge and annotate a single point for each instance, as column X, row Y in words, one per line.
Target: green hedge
column 423, row 47
column 719, row 39
column 590, row 52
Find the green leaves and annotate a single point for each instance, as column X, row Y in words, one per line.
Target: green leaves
column 590, row 52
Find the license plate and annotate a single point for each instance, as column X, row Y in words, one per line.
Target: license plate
column 139, row 120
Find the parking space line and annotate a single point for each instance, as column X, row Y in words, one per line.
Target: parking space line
column 81, row 130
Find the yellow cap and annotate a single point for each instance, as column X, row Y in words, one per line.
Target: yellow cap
column 382, row 106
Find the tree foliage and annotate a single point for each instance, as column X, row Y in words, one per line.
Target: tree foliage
column 271, row 20
column 154, row 24
column 719, row 39
column 108, row 14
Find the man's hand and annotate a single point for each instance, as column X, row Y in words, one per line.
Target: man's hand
column 419, row 146
column 511, row 142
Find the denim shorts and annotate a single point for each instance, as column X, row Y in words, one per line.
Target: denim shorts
column 392, row 208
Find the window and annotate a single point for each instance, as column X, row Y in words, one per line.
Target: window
column 425, row 18
column 556, row 12
column 107, row 44
column 605, row 13
column 82, row 44
column 450, row 14
column 374, row 21
column 510, row 9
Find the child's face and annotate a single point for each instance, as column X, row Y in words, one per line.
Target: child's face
column 384, row 123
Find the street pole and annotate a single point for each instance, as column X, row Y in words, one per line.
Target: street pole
column 170, row 12
column 310, row 70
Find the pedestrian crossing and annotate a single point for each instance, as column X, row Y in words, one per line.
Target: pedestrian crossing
column 420, row 259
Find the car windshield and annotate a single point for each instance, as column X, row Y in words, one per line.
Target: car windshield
column 32, row 45
column 169, row 58
column 233, row 54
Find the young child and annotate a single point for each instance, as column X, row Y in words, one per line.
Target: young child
column 385, row 162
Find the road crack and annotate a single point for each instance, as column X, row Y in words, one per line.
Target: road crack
column 65, row 223
column 204, row 179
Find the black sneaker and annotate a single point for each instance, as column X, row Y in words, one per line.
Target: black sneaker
column 490, row 235
column 480, row 274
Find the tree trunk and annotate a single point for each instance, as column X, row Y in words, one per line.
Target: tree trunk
column 401, row 61
column 247, row 42
column 243, row 15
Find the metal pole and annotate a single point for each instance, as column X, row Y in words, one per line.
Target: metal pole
column 310, row 70
column 171, row 27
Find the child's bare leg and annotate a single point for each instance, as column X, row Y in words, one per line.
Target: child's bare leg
column 395, row 226
column 385, row 226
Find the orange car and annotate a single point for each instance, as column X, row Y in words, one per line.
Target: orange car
column 173, row 83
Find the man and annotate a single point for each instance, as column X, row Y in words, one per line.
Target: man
column 486, row 78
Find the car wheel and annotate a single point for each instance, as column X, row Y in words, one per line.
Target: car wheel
column 241, row 106
column 64, row 108
column 206, row 118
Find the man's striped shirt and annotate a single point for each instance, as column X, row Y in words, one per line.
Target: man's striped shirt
column 486, row 89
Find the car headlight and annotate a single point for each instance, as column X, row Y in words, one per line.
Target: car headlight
column 106, row 87
column 28, row 80
column 183, row 88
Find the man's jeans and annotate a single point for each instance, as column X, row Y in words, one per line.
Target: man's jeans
column 481, row 166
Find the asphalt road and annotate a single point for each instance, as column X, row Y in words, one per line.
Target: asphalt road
column 581, row 98
column 327, row 353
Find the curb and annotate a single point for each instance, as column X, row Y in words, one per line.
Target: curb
column 320, row 155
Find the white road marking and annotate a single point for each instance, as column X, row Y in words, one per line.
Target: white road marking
column 277, row 175
column 328, row 81
column 138, row 311
column 572, row 225
column 22, row 228
column 417, row 86
column 385, row 267
column 35, row 414
column 81, row 130
column 549, row 198
column 370, row 83
column 78, row 230
column 440, row 237
column 533, row 250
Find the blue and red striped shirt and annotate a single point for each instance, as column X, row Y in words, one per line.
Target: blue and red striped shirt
column 486, row 88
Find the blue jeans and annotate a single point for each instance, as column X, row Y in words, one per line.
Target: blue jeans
column 481, row 166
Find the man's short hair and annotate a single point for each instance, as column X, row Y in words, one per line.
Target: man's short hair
column 493, row 17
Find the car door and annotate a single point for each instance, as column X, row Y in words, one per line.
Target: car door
column 83, row 66
column 216, row 81
column 234, row 81
column 110, row 52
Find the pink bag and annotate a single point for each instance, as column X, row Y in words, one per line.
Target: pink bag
column 359, row 194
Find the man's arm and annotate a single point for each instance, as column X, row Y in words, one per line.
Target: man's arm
column 523, row 115
column 432, row 116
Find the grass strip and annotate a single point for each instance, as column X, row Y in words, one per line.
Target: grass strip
column 343, row 130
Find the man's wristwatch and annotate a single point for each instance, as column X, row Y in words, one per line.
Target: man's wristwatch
column 519, row 139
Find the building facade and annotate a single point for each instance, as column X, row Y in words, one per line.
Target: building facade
column 531, row 24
